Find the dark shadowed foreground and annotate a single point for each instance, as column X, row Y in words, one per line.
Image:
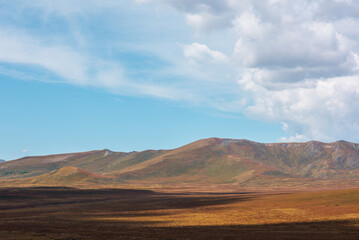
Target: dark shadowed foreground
column 69, row 213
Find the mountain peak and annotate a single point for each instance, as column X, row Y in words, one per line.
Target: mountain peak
column 211, row 160
column 108, row 152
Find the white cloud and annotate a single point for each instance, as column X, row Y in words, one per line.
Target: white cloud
column 296, row 138
column 326, row 111
column 205, row 21
column 25, row 150
column 291, row 53
column 75, row 67
column 114, row 79
column 297, row 60
column 201, row 53
column 19, row 48
column 284, row 126
column 291, row 62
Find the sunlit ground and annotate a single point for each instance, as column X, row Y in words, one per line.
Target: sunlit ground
column 68, row 213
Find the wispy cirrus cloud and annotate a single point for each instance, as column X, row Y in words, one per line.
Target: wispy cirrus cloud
column 294, row 63
column 73, row 66
column 122, row 65
column 19, row 48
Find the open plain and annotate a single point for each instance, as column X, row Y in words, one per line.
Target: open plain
column 179, row 119
column 209, row 189
column 71, row 213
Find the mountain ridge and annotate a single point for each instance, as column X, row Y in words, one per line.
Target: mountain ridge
column 206, row 161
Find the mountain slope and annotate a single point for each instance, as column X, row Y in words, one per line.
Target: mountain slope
column 207, row 161
column 231, row 161
column 99, row 162
column 64, row 176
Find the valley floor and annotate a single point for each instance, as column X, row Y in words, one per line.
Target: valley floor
column 70, row 213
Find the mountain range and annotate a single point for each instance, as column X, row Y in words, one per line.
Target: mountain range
column 205, row 162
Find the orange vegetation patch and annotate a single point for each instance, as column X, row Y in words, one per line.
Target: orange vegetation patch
column 257, row 209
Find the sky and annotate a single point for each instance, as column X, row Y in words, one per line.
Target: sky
column 78, row 75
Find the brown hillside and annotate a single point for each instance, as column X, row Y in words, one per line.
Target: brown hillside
column 208, row 161
column 63, row 177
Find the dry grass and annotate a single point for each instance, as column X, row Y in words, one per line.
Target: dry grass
column 260, row 209
column 67, row 213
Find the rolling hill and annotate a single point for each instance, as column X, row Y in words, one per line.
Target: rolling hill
column 207, row 161
column 66, row 176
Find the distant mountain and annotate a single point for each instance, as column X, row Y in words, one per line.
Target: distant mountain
column 1, row 160
column 207, row 161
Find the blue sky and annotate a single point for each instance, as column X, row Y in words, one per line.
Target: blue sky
column 78, row 75
column 45, row 118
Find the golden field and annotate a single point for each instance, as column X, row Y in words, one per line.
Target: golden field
column 70, row 213
column 255, row 209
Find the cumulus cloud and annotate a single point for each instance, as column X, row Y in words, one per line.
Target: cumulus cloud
column 298, row 61
column 290, row 62
column 293, row 53
column 326, row 111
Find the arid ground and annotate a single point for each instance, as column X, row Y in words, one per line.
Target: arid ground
column 70, row 213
